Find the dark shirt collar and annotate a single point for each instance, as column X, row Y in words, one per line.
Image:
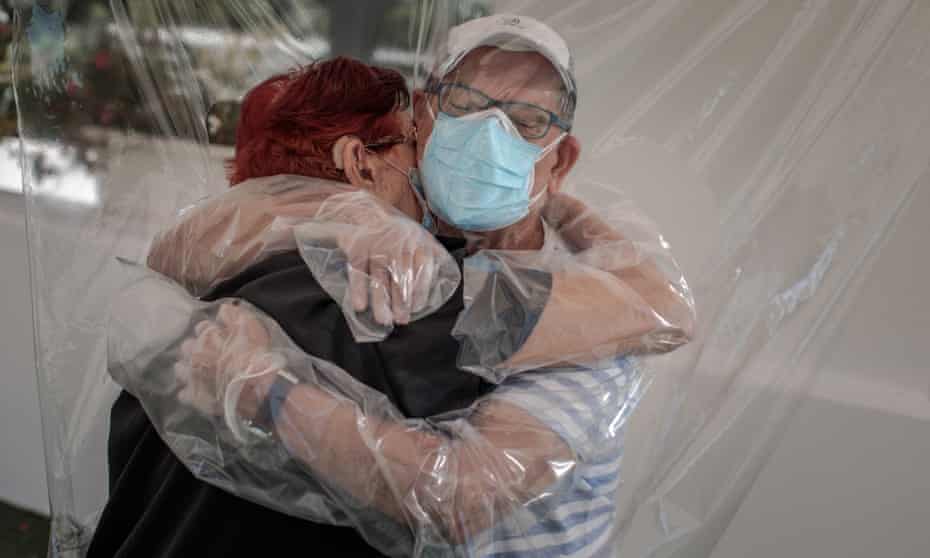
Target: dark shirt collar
column 452, row 244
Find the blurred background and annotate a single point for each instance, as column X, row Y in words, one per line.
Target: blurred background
column 845, row 473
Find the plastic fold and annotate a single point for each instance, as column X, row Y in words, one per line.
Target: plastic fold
column 466, row 483
column 775, row 144
column 380, row 265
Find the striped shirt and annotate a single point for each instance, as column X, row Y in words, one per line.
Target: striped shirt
column 588, row 408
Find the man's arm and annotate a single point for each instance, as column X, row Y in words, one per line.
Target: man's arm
column 460, row 479
column 450, row 477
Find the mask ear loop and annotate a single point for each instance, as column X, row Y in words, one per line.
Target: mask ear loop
column 546, row 150
column 428, row 221
column 427, row 217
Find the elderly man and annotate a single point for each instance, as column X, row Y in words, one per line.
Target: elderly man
column 528, row 468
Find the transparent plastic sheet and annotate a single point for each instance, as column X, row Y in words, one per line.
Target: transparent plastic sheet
column 221, row 236
column 773, row 142
column 607, row 272
column 613, row 262
column 382, row 273
column 473, row 482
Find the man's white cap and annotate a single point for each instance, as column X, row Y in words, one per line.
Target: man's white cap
column 508, row 32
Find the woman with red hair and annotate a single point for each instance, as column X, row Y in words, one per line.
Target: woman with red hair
column 336, row 130
column 340, row 121
column 291, row 123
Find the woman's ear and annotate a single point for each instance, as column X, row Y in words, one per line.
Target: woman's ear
column 568, row 151
column 419, row 97
column 350, row 155
column 422, row 120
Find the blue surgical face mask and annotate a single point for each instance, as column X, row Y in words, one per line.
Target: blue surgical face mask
column 478, row 172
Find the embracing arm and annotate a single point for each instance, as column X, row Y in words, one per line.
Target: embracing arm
column 606, row 295
column 664, row 294
column 460, row 479
column 223, row 235
column 447, row 478
column 592, row 314
column 392, row 270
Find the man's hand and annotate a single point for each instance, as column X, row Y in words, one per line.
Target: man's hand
column 234, row 347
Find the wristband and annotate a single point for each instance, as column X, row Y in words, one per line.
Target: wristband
column 245, row 431
column 267, row 416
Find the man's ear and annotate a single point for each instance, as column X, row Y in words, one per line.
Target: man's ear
column 568, row 151
column 351, row 153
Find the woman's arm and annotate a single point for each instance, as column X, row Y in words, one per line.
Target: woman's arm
column 609, row 315
column 604, row 297
column 393, row 270
column 602, row 246
column 223, row 235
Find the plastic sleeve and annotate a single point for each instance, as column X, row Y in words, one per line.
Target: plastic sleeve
column 604, row 285
column 360, row 251
column 342, row 453
column 380, row 265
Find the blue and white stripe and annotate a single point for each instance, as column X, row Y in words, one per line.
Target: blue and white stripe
column 577, row 518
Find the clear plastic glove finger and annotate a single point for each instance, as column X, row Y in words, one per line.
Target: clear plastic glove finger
column 423, row 273
column 380, row 299
column 401, row 276
column 379, row 265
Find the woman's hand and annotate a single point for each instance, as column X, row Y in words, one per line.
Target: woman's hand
column 393, row 266
column 577, row 224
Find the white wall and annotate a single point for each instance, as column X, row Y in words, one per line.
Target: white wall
column 22, row 463
column 850, row 477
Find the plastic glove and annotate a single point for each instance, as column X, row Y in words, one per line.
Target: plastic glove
column 388, row 269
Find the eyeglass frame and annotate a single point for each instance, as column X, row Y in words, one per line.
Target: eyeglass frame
column 391, row 141
column 435, row 87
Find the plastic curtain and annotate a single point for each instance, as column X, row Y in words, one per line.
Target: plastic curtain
column 773, row 142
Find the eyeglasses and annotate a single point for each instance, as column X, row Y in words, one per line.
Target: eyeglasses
column 533, row 121
column 390, row 141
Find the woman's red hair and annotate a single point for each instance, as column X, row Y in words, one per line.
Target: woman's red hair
column 290, row 122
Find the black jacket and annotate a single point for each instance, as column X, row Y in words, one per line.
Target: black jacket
column 157, row 508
